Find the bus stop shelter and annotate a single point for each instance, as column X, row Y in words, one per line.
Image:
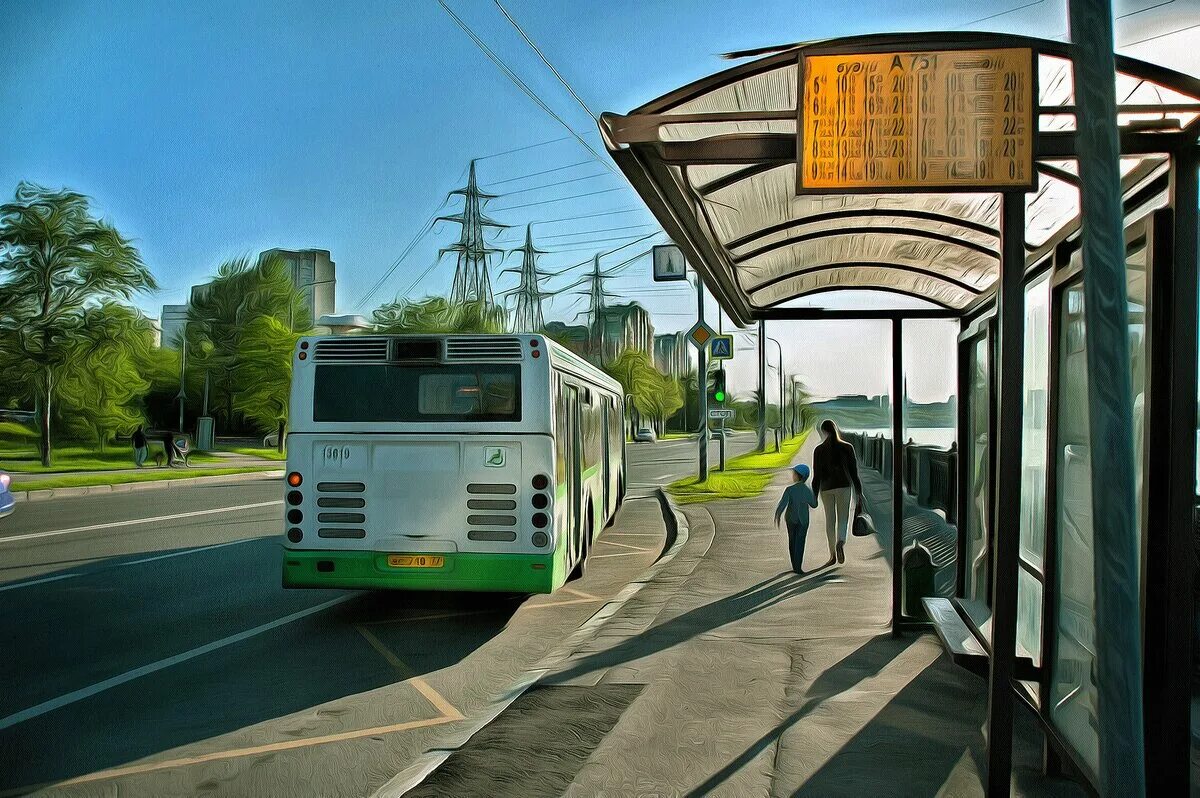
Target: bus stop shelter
column 950, row 168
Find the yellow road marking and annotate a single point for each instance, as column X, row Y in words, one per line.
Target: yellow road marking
column 434, row 697
column 579, row 593
column 235, row 753
column 386, row 652
column 584, row 598
column 433, row 617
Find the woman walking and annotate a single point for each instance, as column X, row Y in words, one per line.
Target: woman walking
column 835, row 482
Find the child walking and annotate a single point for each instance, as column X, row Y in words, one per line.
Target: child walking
column 796, row 500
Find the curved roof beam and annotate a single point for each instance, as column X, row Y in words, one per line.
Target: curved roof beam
column 832, row 288
column 866, row 265
column 860, row 213
column 881, row 230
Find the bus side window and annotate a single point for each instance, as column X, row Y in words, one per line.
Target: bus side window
column 560, row 427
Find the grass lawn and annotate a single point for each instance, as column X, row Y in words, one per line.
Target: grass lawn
column 72, row 457
column 673, row 436
column 150, row 475
column 251, row 451
column 744, row 476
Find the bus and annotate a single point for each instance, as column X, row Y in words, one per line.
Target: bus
column 448, row 462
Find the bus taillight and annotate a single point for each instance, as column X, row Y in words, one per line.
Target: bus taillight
column 294, row 479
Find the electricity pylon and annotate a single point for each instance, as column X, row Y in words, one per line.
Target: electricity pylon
column 471, row 280
column 528, row 317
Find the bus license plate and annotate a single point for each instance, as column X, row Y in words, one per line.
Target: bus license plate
column 416, row 560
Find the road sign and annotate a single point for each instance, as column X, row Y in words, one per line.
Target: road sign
column 669, row 264
column 948, row 119
column 720, row 412
column 700, row 334
column 721, row 347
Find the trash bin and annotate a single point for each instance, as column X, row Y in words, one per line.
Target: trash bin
column 204, row 434
column 918, row 579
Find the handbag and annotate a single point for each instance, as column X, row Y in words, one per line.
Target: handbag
column 864, row 525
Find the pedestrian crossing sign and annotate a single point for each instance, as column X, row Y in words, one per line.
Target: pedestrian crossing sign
column 721, row 347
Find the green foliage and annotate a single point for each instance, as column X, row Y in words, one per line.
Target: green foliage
column 265, row 362
column 228, row 339
column 102, row 383
column 437, row 315
column 656, row 396
column 744, row 476
column 56, row 259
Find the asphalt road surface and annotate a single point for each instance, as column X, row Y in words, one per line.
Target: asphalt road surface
column 148, row 648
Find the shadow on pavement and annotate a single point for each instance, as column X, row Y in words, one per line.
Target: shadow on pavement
column 742, row 604
column 863, row 663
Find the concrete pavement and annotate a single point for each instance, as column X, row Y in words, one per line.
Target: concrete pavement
column 729, row 675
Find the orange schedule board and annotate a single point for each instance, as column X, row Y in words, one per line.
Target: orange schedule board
column 947, row 120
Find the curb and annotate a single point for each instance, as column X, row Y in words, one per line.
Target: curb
column 128, row 487
column 430, row 761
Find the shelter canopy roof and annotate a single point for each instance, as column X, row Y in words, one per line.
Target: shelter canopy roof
column 716, row 161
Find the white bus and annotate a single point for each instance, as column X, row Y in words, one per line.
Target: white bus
column 448, row 462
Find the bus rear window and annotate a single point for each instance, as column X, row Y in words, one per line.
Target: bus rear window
column 380, row 392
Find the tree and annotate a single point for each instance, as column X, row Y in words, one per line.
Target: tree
column 655, row 395
column 221, row 312
column 265, row 351
column 55, row 259
column 437, row 315
column 104, row 380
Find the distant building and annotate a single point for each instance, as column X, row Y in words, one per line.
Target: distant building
column 625, row 327
column 572, row 336
column 671, row 354
column 171, row 325
column 314, row 274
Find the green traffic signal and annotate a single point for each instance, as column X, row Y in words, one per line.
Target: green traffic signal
column 719, row 396
column 718, row 388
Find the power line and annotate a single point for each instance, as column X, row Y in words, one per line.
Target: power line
column 545, row 60
column 495, row 59
column 519, row 149
column 543, row 172
column 365, row 298
column 1000, row 14
column 600, row 230
column 588, row 215
column 558, row 183
column 561, row 199
column 1162, row 35
column 585, row 241
column 602, row 254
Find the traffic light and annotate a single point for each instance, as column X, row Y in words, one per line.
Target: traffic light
column 718, row 386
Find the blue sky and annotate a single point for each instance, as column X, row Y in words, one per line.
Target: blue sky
column 208, row 131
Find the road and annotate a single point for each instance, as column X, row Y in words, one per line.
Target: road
column 149, row 649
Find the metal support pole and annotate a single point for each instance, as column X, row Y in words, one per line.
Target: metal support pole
column 702, row 398
column 1110, row 404
column 782, row 397
column 1169, row 480
column 1006, row 523
column 182, row 370
column 762, row 386
column 897, row 474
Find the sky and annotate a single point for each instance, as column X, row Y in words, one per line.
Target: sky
column 207, row 131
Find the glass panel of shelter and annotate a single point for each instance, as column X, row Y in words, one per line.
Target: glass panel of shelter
column 1073, row 698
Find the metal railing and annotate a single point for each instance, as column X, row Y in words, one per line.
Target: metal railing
column 929, row 471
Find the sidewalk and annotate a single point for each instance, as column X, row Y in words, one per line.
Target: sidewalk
column 750, row 681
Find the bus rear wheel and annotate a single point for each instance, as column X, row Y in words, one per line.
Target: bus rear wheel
column 585, row 549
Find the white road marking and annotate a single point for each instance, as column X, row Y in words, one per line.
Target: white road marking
column 622, row 545
column 134, row 521
column 60, row 577
column 145, row 670
column 622, row 554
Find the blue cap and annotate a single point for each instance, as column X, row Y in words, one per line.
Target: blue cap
column 802, row 470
